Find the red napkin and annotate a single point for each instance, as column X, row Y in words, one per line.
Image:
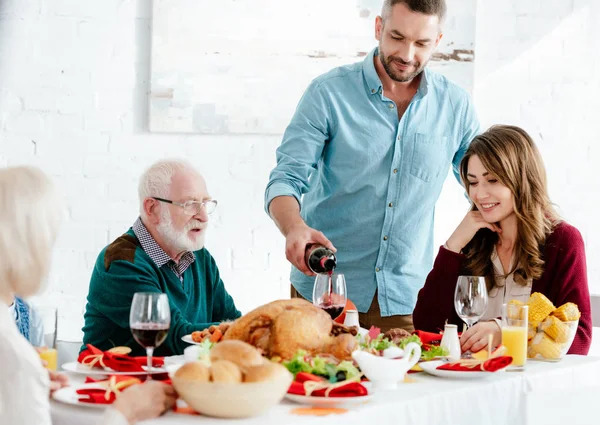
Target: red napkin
column 490, row 365
column 98, row 395
column 118, row 362
column 90, row 380
column 429, row 338
column 351, row 389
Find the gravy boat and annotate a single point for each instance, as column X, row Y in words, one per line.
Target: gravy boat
column 385, row 373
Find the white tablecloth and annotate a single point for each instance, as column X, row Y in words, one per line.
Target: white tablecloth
column 545, row 393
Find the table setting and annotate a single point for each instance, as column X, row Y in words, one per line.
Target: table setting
column 360, row 374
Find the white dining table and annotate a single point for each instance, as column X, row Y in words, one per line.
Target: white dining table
column 566, row 392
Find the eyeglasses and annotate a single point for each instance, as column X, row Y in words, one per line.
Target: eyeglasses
column 192, row 207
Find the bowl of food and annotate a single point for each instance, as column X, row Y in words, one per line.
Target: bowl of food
column 238, row 383
column 552, row 340
column 551, row 337
column 387, row 370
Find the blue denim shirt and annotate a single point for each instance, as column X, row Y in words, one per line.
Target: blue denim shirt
column 28, row 321
column 370, row 181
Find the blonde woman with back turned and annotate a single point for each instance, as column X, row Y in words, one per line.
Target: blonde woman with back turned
column 30, row 215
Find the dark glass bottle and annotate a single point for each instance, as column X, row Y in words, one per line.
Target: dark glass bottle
column 320, row 259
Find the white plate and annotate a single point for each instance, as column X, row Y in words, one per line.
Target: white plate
column 431, row 368
column 68, row 395
column 189, row 340
column 327, row 401
column 76, row 367
column 174, row 360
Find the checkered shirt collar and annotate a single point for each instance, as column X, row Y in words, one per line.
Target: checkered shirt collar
column 156, row 253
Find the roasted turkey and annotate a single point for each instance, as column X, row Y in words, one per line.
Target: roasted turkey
column 283, row 327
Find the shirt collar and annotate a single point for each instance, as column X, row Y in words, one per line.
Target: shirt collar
column 149, row 245
column 374, row 82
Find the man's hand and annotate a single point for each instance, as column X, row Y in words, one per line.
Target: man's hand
column 297, row 238
column 476, row 337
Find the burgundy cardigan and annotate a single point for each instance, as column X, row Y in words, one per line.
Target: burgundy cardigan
column 564, row 280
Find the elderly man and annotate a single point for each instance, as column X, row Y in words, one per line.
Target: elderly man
column 163, row 252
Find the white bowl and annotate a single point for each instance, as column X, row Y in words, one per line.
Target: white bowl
column 543, row 347
column 229, row 400
column 385, row 373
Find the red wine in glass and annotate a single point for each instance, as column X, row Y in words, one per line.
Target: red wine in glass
column 149, row 321
column 333, row 310
column 149, row 334
column 329, row 293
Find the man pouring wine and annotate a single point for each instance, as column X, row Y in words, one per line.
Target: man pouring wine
column 365, row 156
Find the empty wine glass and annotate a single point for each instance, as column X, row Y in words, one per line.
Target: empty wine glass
column 149, row 320
column 329, row 293
column 470, row 298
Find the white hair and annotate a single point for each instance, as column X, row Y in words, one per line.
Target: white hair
column 30, row 216
column 156, row 180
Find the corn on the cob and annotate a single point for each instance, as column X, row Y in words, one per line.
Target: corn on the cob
column 531, row 331
column 539, row 308
column 567, row 312
column 556, row 329
column 543, row 345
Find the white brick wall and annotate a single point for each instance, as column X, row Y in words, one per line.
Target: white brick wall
column 543, row 72
column 73, row 100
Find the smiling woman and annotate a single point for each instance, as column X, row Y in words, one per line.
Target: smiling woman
column 512, row 236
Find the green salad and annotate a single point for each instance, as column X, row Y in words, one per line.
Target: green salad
column 380, row 343
column 321, row 366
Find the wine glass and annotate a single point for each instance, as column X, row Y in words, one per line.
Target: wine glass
column 470, row 298
column 149, row 320
column 329, row 293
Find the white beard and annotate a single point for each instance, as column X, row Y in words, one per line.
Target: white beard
column 179, row 240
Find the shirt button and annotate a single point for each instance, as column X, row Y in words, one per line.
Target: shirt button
column 390, row 205
column 377, row 269
column 395, row 170
column 385, row 238
column 373, row 90
column 391, row 106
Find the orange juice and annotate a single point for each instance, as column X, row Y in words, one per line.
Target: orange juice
column 50, row 356
column 514, row 338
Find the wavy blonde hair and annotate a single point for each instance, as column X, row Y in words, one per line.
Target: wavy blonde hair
column 509, row 154
column 30, row 215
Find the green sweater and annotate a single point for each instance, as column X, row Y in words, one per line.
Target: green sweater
column 123, row 268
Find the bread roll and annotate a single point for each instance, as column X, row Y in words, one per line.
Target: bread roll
column 241, row 353
column 196, row 371
column 268, row 371
column 225, row 371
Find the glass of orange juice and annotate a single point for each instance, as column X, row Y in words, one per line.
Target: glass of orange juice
column 49, row 355
column 514, row 333
column 49, row 316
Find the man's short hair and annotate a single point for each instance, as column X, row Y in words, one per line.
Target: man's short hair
column 156, row 180
column 426, row 7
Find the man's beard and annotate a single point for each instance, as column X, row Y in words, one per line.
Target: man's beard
column 179, row 240
column 394, row 74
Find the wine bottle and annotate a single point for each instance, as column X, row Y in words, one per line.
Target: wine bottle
column 320, row 259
